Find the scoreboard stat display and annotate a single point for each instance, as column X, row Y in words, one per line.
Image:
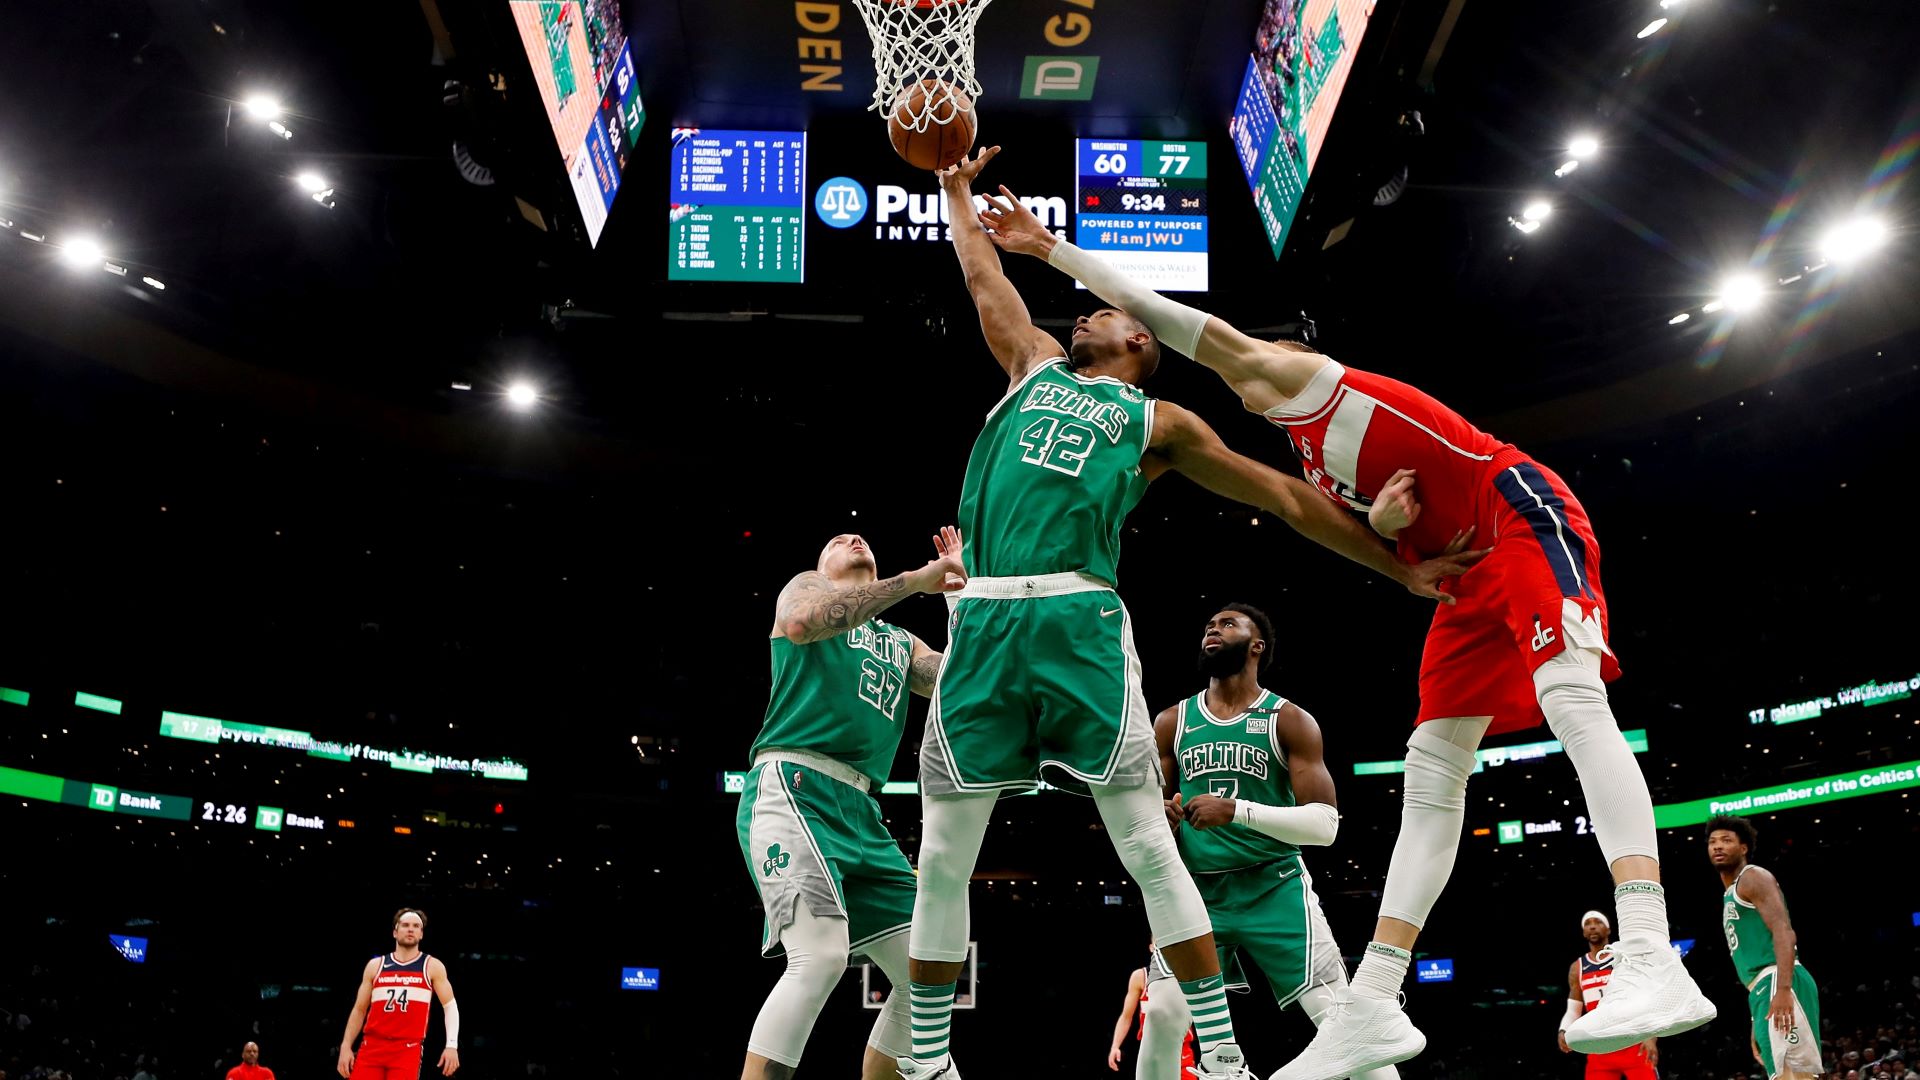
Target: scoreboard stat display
column 738, row 206
column 1141, row 205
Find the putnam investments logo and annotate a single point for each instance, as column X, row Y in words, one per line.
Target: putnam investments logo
column 841, row 202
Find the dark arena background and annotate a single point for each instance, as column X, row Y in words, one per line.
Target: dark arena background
column 392, row 509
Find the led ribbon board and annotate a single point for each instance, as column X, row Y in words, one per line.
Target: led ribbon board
column 1848, row 785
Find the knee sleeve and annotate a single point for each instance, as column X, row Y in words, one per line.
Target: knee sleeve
column 892, row 1035
column 1431, row 816
column 1136, row 819
column 1574, row 699
column 816, row 958
column 951, row 829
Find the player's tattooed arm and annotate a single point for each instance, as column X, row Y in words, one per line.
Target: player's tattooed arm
column 812, row 608
column 925, row 672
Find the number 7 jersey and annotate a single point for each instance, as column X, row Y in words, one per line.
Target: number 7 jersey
column 1053, row 475
column 401, row 999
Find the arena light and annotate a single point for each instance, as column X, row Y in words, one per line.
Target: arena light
column 1536, row 210
column 1742, row 292
column 1651, row 28
column 1711, row 306
column 522, row 395
column 311, row 182
column 1583, row 146
column 83, row 253
column 280, row 129
column 262, row 107
column 1678, row 319
column 155, row 283
column 1853, row 240
column 1524, row 226
column 1566, row 167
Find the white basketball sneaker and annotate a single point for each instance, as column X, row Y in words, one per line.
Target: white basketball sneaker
column 1649, row 995
column 1358, row 1034
column 1225, row 1062
column 939, row 1069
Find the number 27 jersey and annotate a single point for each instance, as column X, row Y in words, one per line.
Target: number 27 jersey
column 401, row 998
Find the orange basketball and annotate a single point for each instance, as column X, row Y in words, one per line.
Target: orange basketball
column 949, row 131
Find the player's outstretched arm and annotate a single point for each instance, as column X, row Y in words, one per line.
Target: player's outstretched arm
column 924, row 673
column 812, row 608
column 1010, row 333
column 358, row 1017
column 1185, row 443
column 443, row 989
column 1314, row 821
column 1760, row 888
column 1263, row 373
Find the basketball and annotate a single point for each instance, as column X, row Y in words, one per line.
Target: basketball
column 950, row 126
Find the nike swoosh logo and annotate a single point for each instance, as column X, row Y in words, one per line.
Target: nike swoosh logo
column 1191, row 730
column 1104, row 612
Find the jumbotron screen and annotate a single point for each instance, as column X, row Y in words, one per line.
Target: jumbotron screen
column 583, row 65
column 1302, row 52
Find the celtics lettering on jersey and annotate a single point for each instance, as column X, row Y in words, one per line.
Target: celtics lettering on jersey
column 1237, row 757
column 844, row 696
column 1054, row 473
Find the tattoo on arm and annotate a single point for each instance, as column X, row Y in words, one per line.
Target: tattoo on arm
column 925, row 673
column 812, row 609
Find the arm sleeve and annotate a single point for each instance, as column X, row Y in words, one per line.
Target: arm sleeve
column 1175, row 324
column 452, row 1010
column 1314, row 824
column 1575, row 1009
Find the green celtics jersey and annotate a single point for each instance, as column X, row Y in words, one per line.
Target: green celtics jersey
column 845, row 697
column 1053, row 475
column 1234, row 758
column 1748, row 938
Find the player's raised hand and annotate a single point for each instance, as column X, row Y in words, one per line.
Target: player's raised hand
column 1013, row 227
column 947, row 572
column 960, row 174
column 1428, row 578
column 1394, row 508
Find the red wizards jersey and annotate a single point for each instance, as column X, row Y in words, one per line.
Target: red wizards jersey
column 1593, row 976
column 401, row 998
column 1353, row 430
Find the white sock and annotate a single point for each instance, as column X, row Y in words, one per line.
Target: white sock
column 1642, row 907
column 1381, row 972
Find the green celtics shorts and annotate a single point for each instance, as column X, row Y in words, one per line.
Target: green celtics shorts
column 810, row 837
column 1269, row 914
column 1797, row 1048
column 1040, row 676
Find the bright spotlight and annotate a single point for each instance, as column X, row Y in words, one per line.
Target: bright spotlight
column 522, row 395
column 155, row 283
column 1711, row 306
column 1524, row 226
column 262, row 107
column 1536, row 210
column 1566, row 167
column 279, row 129
column 1741, row 293
column 82, row 253
column 1583, row 146
column 1853, row 239
column 1665, row 4
column 310, row 182
column 1678, row 319
column 1651, row 29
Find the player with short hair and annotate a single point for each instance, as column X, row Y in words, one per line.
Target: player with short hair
column 832, row 880
column 390, row 1010
column 1246, row 788
column 249, row 1067
column 1525, row 643
column 1753, row 912
column 1040, row 671
column 1586, row 984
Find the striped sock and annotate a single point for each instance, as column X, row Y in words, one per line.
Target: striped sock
column 932, row 1019
column 1382, row 970
column 1207, row 1000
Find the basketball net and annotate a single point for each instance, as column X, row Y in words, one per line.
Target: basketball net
column 914, row 41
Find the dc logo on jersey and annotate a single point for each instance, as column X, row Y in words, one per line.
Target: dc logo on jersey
column 841, row 202
column 777, row 861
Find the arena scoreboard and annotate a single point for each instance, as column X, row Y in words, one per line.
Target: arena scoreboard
column 737, row 206
column 1141, row 206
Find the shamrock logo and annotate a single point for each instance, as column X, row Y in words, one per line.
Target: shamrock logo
column 777, row 861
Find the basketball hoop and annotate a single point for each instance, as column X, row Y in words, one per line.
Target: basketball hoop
column 919, row 40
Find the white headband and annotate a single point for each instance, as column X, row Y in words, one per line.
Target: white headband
column 1595, row 915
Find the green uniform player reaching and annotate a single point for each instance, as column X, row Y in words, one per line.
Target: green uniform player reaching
column 833, row 882
column 1753, row 913
column 1040, row 673
column 1246, row 787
